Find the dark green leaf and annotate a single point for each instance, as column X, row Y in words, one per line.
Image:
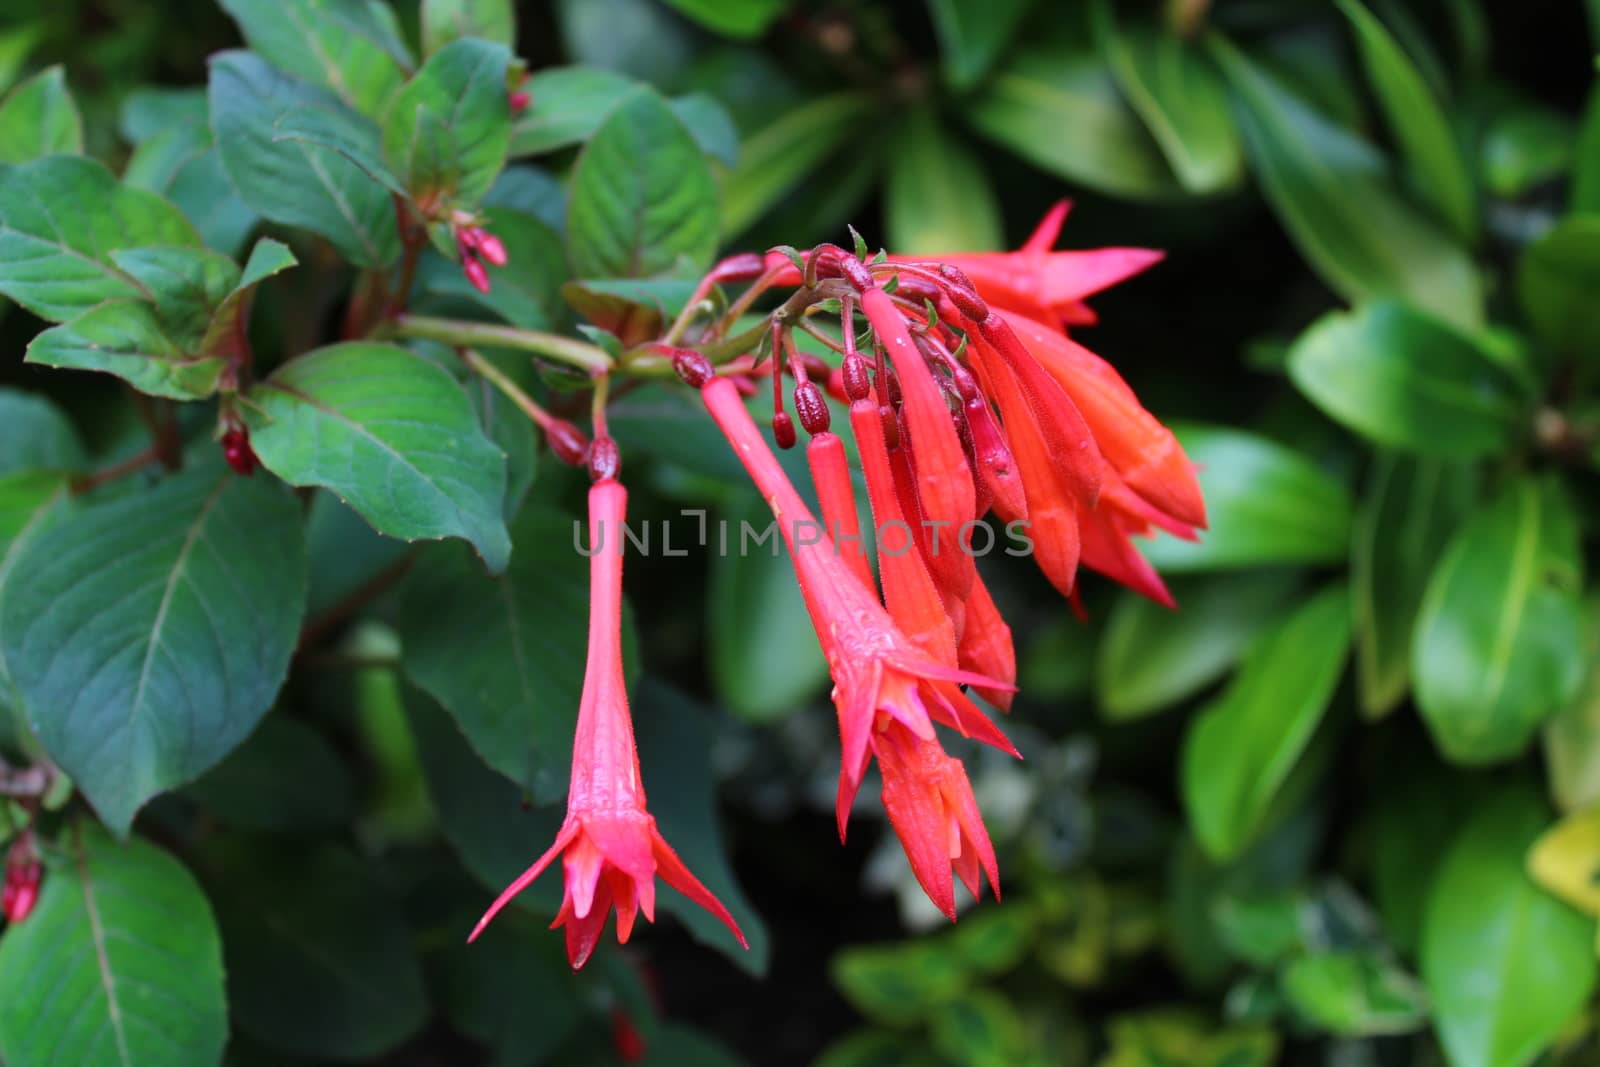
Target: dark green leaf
column 293, row 180
column 566, row 105
column 640, row 38
column 900, row 983
column 1357, row 994
column 709, row 123
column 286, row 778
column 1180, row 1037
column 512, row 989
column 119, row 965
column 351, row 47
column 346, row 553
column 446, row 131
column 35, row 435
column 531, row 191
column 1507, row 965
column 16, row 44
column 320, row 961
column 774, row 159
column 151, row 111
column 1266, row 504
column 982, row 1029
column 1523, row 143
column 201, row 190
column 765, row 661
column 505, row 654
column 1331, row 192
column 55, row 255
column 937, row 197
column 972, row 34
column 393, row 435
column 1240, row 750
column 328, row 124
column 1558, row 280
column 1414, row 818
column 1408, row 381
column 125, row 338
column 1499, row 639
column 642, row 199
column 1153, row 657
column 38, row 118
column 1572, row 737
column 152, row 631
column 1057, row 106
column 1180, row 98
column 877, row 1048
column 1411, row 509
column 732, row 18
column 1419, row 122
column 1585, row 198
column 31, row 502
column 444, row 21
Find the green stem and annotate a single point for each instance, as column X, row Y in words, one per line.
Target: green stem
column 498, row 378
column 460, row 334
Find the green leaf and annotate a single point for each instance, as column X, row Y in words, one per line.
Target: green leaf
column 1507, row 966
column 937, row 197
column 126, row 338
column 1240, row 750
column 1179, row 1037
column 1332, row 194
column 31, row 502
column 1057, row 106
column 231, row 318
column 1556, row 282
column 16, row 44
column 765, row 661
column 444, row 21
column 566, row 105
column 38, row 118
column 346, row 553
column 982, row 1029
column 526, row 292
column 151, row 111
column 512, row 989
column 1152, row 657
column 393, row 435
column 118, row 966
column 329, row 124
column 1419, row 123
column 1523, row 142
column 35, row 435
column 293, row 180
column 1182, row 101
column 675, row 742
column 1585, row 195
column 201, row 190
column 1355, row 994
column 1266, row 504
column 1411, row 508
column 972, row 35
column 1499, row 639
column 1572, row 736
column 1408, row 381
column 777, row 157
column 505, row 654
column 899, row 984
column 642, row 198
column 447, row 130
column 709, row 123
column 253, row 789
column 1413, row 820
column 54, row 255
column 185, row 284
column 732, row 18
column 1566, row 860
column 320, row 961
column 351, row 47
column 152, row 630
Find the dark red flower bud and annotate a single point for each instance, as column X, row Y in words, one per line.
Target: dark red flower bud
column 476, row 274
column 21, row 891
column 694, row 368
column 605, row 459
column 237, row 451
column 520, row 101
column 491, row 249
column 783, row 430
column 857, row 382
column 811, row 407
column 963, row 295
column 568, row 443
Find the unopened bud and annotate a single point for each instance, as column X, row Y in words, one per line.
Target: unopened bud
column 963, row 295
column 476, row 273
column 491, row 248
column 519, row 101
column 568, row 443
column 605, row 459
column 783, row 430
column 693, row 367
column 237, row 452
column 856, row 273
column 857, row 382
column 811, row 407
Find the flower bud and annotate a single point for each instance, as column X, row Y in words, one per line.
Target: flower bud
column 693, row 367
column 237, row 452
column 568, row 443
column 856, row 273
column 476, row 274
column 857, row 383
column 605, row 459
column 519, row 101
column 491, row 248
column 811, row 407
column 783, row 430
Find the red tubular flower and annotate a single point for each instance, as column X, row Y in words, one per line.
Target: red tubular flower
column 930, row 804
column 610, row 848
column 880, row 675
column 830, row 473
column 986, row 646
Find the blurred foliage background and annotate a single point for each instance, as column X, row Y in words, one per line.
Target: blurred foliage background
column 1342, row 808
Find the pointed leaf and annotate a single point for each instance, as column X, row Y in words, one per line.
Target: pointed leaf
column 1243, row 745
column 127, row 931
column 1408, row 381
column 566, row 105
column 447, row 130
column 937, row 197
column 38, row 118
column 1419, row 122
column 1357, row 994
column 150, row 632
column 250, row 790
column 642, row 196
column 291, row 180
column 732, row 18
column 125, row 338
column 1507, row 965
column 392, row 434
column 1412, row 508
column 444, row 21
column 1557, row 281
column 231, row 318
column 774, row 159
column 351, row 47
column 54, row 255
column 1499, row 640
column 973, row 34
column 1332, row 194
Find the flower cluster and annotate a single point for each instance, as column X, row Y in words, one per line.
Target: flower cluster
column 965, row 396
